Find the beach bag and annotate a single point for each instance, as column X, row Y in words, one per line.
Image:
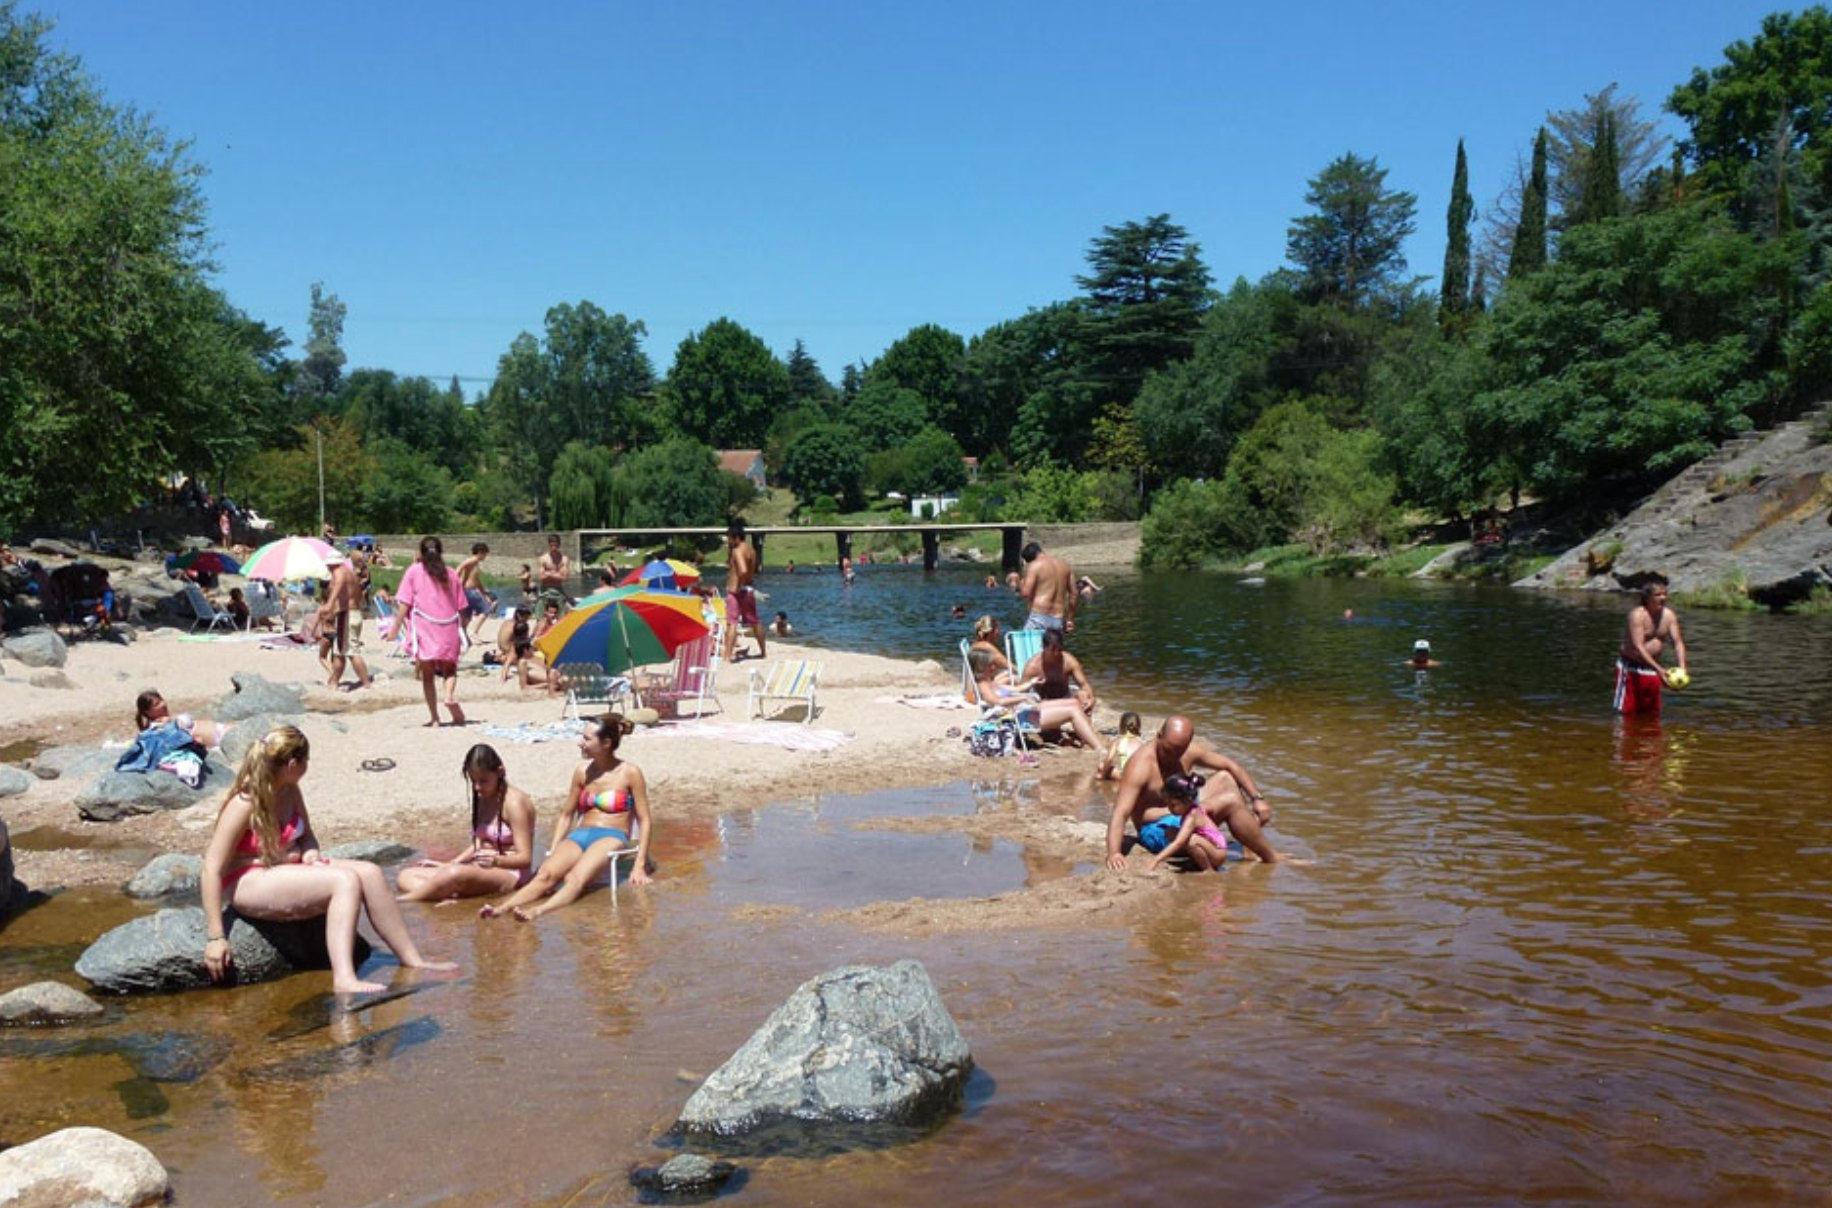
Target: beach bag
column 994, row 737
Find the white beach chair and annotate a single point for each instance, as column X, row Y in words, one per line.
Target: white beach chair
column 786, row 679
column 207, row 614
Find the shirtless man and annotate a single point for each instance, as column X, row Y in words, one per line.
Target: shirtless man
column 740, row 594
column 342, row 620
column 555, row 568
column 1048, row 587
column 1052, row 668
column 1234, row 797
column 477, row 600
column 1652, row 627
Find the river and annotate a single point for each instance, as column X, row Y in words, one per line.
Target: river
column 1540, row 956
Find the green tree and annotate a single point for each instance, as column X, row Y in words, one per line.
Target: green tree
column 582, row 483
column 1600, row 193
column 825, row 460
column 728, row 385
column 1453, row 291
column 926, row 360
column 1353, row 246
column 321, row 372
column 885, row 415
column 932, row 463
column 118, row 362
column 1186, row 526
column 807, row 384
column 1142, row 303
column 1032, row 361
column 1529, row 249
column 408, row 493
column 671, row 484
column 286, row 480
column 1190, row 413
column 413, row 411
column 1578, row 184
column 785, row 428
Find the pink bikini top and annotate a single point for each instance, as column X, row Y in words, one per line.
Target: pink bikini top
column 289, row 835
column 497, row 834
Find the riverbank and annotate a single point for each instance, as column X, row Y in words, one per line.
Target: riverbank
column 1450, row 560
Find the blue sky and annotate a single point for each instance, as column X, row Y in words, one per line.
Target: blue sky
column 837, row 172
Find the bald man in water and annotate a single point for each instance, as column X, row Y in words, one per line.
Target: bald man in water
column 1231, row 795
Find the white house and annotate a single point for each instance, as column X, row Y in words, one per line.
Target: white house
column 929, row 507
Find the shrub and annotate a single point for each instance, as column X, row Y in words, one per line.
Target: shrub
column 1186, row 526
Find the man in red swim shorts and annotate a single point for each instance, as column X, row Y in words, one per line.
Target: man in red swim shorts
column 1652, row 627
column 740, row 594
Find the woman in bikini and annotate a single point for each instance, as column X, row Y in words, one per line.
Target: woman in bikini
column 606, row 796
column 150, row 710
column 263, row 860
column 500, row 856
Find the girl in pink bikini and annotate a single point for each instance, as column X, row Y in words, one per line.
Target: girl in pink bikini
column 606, row 803
column 1200, row 833
column 500, row 855
column 264, row 861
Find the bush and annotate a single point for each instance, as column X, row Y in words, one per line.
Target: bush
column 825, row 460
column 1292, row 476
column 672, row 484
column 1187, row 525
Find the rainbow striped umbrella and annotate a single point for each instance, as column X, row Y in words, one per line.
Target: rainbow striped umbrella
column 292, row 558
column 665, row 574
column 622, row 628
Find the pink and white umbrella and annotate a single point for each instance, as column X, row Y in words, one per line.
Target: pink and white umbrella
column 292, row 558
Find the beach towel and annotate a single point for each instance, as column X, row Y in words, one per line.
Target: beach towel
column 791, row 738
column 528, row 731
column 940, row 700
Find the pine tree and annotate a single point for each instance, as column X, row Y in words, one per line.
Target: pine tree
column 1601, row 196
column 1453, row 296
column 806, row 381
column 1529, row 254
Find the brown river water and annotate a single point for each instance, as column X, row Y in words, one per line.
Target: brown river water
column 1541, row 956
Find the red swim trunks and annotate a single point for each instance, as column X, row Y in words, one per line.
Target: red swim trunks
column 741, row 606
column 1637, row 689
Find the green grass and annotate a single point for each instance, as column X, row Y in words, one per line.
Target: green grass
column 1728, row 594
column 1817, row 604
column 1406, row 561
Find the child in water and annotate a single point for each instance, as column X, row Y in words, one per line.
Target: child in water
column 1113, row 760
column 1200, row 833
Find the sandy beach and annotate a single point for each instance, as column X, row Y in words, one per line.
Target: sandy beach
column 421, row 801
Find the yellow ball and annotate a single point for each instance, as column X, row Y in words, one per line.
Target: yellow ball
column 1677, row 678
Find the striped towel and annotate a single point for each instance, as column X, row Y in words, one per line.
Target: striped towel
column 769, row 734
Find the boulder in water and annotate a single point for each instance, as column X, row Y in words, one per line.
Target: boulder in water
column 254, row 695
column 165, row 952
column 375, row 851
column 85, row 1167
column 14, row 781
column 859, row 1051
column 46, row 1003
column 165, row 876
column 686, row 1178
column 36, row 648
column 73, row 761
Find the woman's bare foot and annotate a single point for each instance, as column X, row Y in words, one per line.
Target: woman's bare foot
column 357, row 987
column 522, row 914
column 457, row 712
column 489, row 912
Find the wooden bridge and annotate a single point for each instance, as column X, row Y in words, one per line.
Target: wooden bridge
column 1012, row 533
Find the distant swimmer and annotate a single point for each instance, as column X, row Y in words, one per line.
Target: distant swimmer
column 1421, row 659
column 1652, row 627
column 780, row 626
column 1088, row 587
column 1231, row 797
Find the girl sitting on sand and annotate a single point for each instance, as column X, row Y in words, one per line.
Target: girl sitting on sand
column 607, row 795
column 500, row 856
column 150, row 711
column 263, row 859
column 1113, row 760
column 1200, row 833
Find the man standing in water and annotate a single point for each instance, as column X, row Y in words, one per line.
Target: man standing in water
column 1048, row 587
column 740, row 592
column 555, row 569
column 342, row 619
column 1232, row 798
column 1652, row 627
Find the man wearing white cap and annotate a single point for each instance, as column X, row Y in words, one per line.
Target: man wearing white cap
column 1421, row 659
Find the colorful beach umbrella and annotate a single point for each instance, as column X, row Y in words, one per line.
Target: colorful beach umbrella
column 664, row 574
column 292, row 558
column 622, row 628
column 208, row 561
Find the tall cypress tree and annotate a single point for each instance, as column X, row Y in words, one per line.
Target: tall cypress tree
column 1453, row 295
column 1529, row 253
column 1602, row 196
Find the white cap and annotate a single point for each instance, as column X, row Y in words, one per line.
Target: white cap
column 1422, row 645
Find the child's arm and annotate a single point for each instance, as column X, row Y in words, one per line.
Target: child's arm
column 1191, row 820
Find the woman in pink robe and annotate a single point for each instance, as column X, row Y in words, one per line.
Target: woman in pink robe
column 429, row 606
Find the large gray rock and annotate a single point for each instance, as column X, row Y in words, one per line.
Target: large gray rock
column 165, row 951
column 75, row 762
column 82, row 1168
column 245, row 733
column 686, row 1178
column 254, row 695
column 165, row 876
column 14, row 781
column 43, row 1003
column 858, row 1046
column 118, row 795
column 56, row 549
column 36, row 648
column 375, row 851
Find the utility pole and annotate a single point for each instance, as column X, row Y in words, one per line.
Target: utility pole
column 319, row 434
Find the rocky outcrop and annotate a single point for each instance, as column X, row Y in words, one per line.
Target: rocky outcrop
column 36, row 648
column 117, row 795
column 45, row 1003
column 853, row 1055
column 1758, row 512
column 170, row 875
column 14, row 781
column 165, row 951
column 73, row 761
column 82, row 1168
column 254, row 695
